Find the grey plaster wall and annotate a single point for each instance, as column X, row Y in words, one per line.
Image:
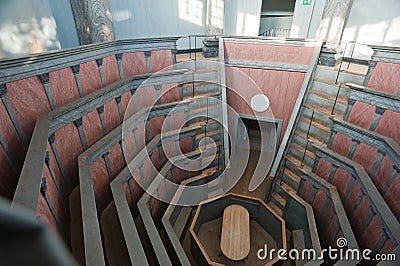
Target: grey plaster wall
column 242, row 17
column 33, row 26
column 374, row 22
column 307, row 18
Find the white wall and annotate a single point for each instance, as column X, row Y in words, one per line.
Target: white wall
column 306, row 19
column 242, row 17
column 374, row 22
column 35, row 26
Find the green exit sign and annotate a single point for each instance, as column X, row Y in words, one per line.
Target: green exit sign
column 306, row 2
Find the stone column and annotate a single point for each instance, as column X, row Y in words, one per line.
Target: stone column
column 333, row 21
column 93, row 21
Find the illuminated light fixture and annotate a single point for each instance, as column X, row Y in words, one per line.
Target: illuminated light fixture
column 259, row 103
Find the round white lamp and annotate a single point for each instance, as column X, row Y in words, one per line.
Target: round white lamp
column 259, row 103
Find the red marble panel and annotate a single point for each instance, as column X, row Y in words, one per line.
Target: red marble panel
column 383, row 173
column 331, row 230
column 306, row 191
column 90, row 77
column 179, row 175
column 366, row 156
column 126, row 99
column 111, row 115
column 392, row 196
column 110, row 69
column 69, row 147
column 372, row 234
column 56, row 170
column 385, row 77
column 138, row 189
column 134, row 64
column 389, row 125
column 177, row 120
column 354, row 194
column 362, row 114
column 29, row 101
column 169, row 148
column 170, row 93
column 91, row 125
column 341, row 144
column 319, row 202
column 127, row 192
column 116, row 160
column 323, row 169
column 54, row 197
column 147, row 172
column 45, row 215
column 361, row 214
column 100, row 179
column 324, row 220
column 145, row 97
column 388, row 247
column 156, row 124
column 129, row 146
column 160, row 60
column 185, row 144
column 8, row 178
column 155, row 158
column 341, row 181
column 268, row 52
column 140, row 136
column 63, row 86
column 8, row 133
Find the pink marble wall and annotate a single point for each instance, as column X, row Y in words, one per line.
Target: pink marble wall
column 63, row 86
column 110, row 68
column 116, row 160
column 90, row 77
column 155, row 125
column 128, row 196
column 388, row 247
column 140, row 136
column 341, row 181
column 389, row 125
column 269, row 53
column 392, row 196
column 177, row 120
column 306, row 191
column 98, row 171
column 372, row 234
column 155, row 158
column 323, row 169
column 366, row 156
column 281, row 87
column 29, row 101
column 383, row 173
column 170, row 93
column 91, row 125
column 129, row 145
column 145, row 97
column 57, row 172
column 341, row 144
column 362, row 114
column 126, row 99
column 111, row 115
column 160, row 60
column 69, row 147
column 385, row 77
column 319, row 202
column 134, row 64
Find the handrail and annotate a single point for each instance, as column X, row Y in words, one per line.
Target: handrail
column 144, row 211
column 312, row 226
column 127, row 223
column 332, row 194
column 372, row 138
column 183, row 259
column 378, row 204
column 91, row 229
column 27, row 191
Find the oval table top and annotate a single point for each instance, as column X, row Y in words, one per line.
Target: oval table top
column 235, row 236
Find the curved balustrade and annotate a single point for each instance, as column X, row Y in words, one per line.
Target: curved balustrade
column 330, row 212
column 65, row 123
column 361, row 188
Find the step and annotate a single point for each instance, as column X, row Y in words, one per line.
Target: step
column 321, row 110
column 291, row 179
column 297, row 162
column 278, row 200
column 341, row 99
column 330, row 73
column 313, row 139
column 275, row 208
column 351, row 68
column 316, row 125
column 301, row 149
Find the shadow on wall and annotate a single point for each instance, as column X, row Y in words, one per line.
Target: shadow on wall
column 374, row 22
